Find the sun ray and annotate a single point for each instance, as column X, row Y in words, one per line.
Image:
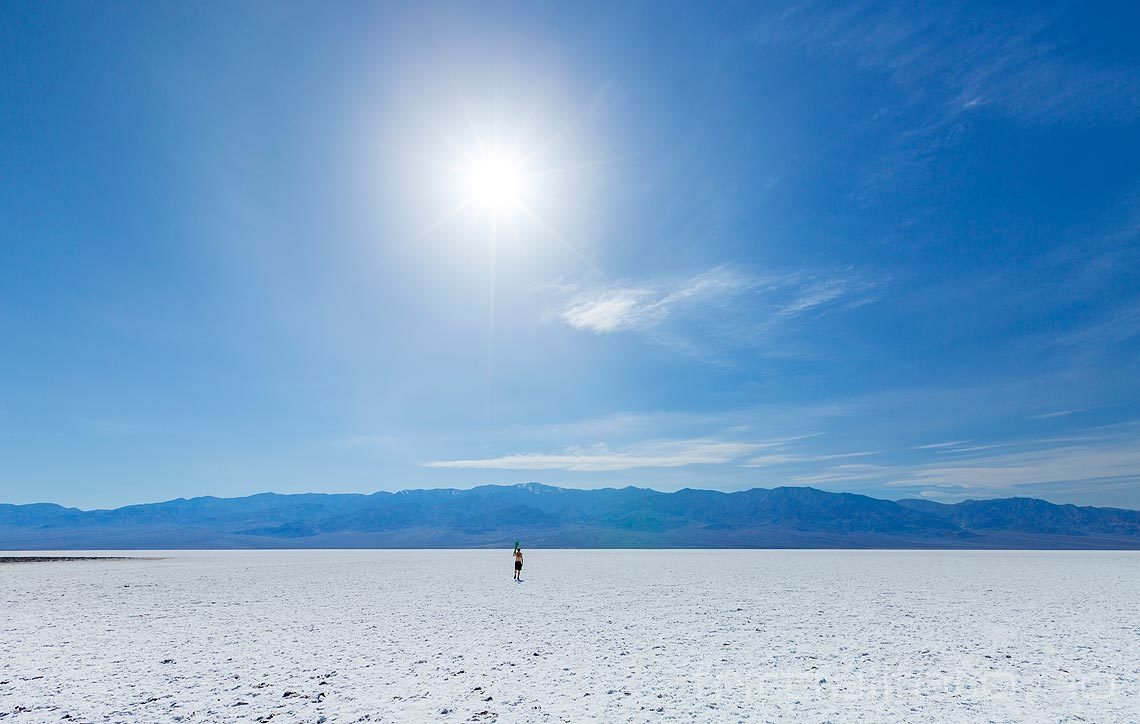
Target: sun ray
column 491, row 310
column 474, row 133
column 561, row 239
column 388, row 148
column 426, row 232
column 561, row 131
column 556, row 170
column 413, row 241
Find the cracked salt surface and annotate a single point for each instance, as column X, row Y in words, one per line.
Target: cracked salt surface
column 614, row 636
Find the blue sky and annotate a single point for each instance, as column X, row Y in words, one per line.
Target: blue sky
column 869, row 248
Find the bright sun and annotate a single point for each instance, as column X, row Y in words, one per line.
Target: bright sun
column 496, row 183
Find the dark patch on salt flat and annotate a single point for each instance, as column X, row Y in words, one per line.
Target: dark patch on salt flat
column 50, row 559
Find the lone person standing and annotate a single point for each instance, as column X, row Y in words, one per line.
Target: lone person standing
column 518, row 563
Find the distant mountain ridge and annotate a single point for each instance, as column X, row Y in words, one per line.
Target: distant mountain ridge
column 546, row 516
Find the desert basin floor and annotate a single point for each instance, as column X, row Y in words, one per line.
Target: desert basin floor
column 613, row 636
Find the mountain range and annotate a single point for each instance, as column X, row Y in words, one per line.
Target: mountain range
column 546, row 516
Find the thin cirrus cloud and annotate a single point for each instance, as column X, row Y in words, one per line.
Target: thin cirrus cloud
column 720, row 309
column 660, row 454
column 615, row 310
column 1068, row 464
column 639, row 307
column 1098, row 461
column 600, row 458
column 775, row 459
column 939, row 445
column 1058, row 413
column 947, row 63
column 955, row 59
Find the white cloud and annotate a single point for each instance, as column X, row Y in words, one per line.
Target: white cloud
column 762, row 461
column 1100, row 460
column 718, row 310
column 664, row 454
column 846, row 473
column 1058, row 413
column 640, row 307
column 614, row 310
column 1051, row 465
column 976, row 448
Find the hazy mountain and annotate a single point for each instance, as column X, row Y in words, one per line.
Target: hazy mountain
column 541, row 515
column 1029, row 515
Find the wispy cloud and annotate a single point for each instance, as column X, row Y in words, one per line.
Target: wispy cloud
column 975, row 448
column 1006, row 471
column 722, row 308
column 843, row 474
column 947, row 63
column 957, row 59
column 936, row 445
column 1058, row 413
column 613, row 310
column 663, row 454
column 1115, row 326
column 1074, row 464
column 846, row 446
column 639, row 307
column 774, row 459
column 660, row 454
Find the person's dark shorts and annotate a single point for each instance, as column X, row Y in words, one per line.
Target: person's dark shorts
column 518, row 565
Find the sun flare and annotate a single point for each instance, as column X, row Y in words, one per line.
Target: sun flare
column 496, row 183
